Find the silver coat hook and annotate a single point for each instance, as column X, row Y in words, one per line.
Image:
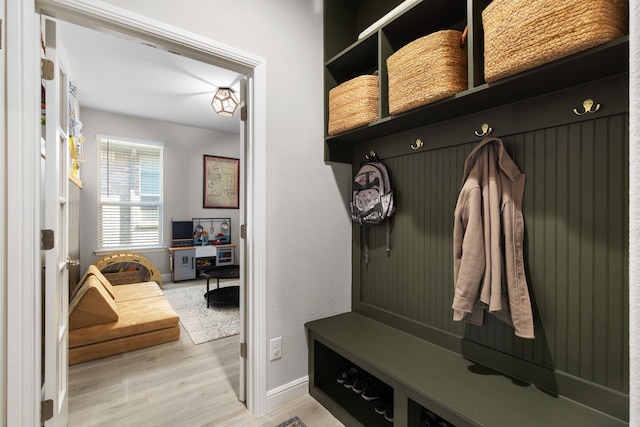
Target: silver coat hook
column 486, row 130
column 418, row 144
column 588, row 107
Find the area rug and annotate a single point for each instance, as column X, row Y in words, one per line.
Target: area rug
column 293, row 422
column 201, row 323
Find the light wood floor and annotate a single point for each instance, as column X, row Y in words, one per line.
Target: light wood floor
column 174, row 384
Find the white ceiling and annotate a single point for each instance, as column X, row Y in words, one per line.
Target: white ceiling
column 119, row 75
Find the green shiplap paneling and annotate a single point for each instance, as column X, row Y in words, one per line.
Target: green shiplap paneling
column 576, row 252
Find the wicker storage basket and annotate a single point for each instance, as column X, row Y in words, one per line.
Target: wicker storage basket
column 353, row 103
column 426, row 70
column 523, row 34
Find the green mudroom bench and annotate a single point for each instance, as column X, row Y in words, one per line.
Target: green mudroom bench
column 425, row 377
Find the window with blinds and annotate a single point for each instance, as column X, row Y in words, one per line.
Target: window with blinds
column 130, row 206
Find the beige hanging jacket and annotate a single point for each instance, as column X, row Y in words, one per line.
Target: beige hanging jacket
column 488, row 236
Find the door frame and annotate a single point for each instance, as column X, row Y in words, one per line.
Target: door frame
column 23, row 171
column 21, row 245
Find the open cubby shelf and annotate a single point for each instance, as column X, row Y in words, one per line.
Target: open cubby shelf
column 326, row 383
column 350, row 57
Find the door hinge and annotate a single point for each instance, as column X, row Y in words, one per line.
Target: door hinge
column 46, row 69
column 243, row 350
column 243, row 231
column 243, row 113
column 46, row 240
column 46, row 410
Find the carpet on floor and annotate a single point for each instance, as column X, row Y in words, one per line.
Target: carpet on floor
column 293, row 422
column 201, row 323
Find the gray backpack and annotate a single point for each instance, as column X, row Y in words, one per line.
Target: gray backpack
column 372, row 199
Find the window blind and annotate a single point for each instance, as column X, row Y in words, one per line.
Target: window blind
column 130, row 206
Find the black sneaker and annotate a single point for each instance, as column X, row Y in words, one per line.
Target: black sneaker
column 388, row 414
column 351, row 378
column 344, row 375
column 381, row 406
column 359, row 384
column 371, row 390
column 430, row 420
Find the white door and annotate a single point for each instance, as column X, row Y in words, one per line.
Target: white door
column 242, row 215
column 55, row 219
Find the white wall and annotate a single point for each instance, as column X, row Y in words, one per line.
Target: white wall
column 184, row 148
column 309, row 229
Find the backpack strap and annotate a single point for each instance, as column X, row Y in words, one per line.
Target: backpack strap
column 366, row 245
column 388, row 237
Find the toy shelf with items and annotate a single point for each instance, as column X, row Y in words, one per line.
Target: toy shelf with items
column 211, row 231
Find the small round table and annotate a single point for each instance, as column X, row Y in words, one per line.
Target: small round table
column 229, row 295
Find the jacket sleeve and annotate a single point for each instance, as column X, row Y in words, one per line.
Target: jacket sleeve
column 468, row 252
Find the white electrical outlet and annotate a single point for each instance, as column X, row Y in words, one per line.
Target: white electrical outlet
column 275, row 348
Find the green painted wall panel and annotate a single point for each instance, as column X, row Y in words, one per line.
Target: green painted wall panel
column 558, row 343
column 576, row 251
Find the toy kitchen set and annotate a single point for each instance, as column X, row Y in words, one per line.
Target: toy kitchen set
column 200, row 244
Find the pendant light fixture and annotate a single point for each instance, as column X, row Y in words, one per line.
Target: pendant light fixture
column 225, row 102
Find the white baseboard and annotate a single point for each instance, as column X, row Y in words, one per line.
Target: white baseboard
column 166, row 277
column 287, row 392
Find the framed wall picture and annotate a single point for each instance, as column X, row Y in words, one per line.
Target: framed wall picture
column 221, row 182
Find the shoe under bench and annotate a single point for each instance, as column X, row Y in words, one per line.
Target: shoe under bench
column 426, row 377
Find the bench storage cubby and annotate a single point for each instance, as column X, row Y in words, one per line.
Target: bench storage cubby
column 332, row 363
column 425, row 376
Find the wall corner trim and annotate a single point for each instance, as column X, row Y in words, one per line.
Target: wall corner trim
column 287, row 392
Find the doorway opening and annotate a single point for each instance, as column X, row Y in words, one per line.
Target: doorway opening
column 124, row 87
column 252, row 248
